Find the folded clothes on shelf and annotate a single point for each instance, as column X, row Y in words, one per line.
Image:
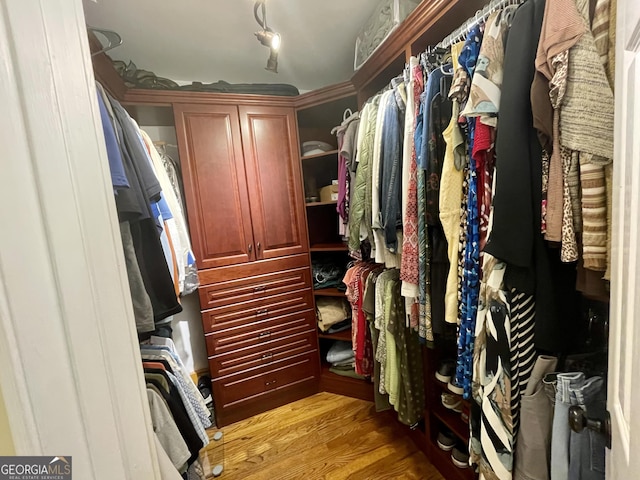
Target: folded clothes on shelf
column 340, row 326
column 331, row 311
column 339, row 352
column 326, row 274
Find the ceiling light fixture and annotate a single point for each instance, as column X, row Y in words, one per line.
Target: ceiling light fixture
column 267, row 37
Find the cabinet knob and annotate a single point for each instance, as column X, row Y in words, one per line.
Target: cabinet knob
column 250, row 247
column 578, row 421
column 258, row 246
column 268, row 383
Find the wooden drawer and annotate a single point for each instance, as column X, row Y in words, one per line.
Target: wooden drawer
column 244, row 313
column 259, row 332
column 232, row 390
column 216, row 275
column 263, row 354
column 255, row 287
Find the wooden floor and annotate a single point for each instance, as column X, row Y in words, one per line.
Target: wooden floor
column 325, row 436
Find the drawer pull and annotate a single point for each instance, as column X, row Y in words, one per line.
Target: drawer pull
column 267, row 355
column 262, row 311
column 264, row 334
column 272, row 382
column 260, row 288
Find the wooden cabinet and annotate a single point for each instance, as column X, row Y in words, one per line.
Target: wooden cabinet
column 274, row 180
column 215, row 184
column 242, row 182
column 261, row 336
column 245, row 203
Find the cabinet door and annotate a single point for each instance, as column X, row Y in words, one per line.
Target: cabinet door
column 270, row 142
column 215, row 184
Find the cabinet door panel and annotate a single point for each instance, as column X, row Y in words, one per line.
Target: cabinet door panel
column 275, row 184
column 215, row 184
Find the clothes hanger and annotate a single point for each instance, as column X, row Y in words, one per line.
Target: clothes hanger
column 113, row 38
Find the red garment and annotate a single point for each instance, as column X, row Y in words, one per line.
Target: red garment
column 355, row 279
column 409, row 266
column 484, row 156
column 364, row 350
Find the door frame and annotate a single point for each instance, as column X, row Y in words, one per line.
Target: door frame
column 624, row 361
column 70, row 366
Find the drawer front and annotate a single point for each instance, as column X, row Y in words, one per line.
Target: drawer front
column 232, row 390
column 255, row 287
column 217, row 275
column 263, row 354
column 259, row 332
column 245, row 313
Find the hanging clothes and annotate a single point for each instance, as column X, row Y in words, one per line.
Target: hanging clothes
column 471, row 266
column 586, row 125
column 185, row 259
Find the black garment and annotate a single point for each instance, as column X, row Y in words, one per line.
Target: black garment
column 138, row 153
column 516, row 238
column 131, row 203
column 180, row 416
column 154, row 269
column 134, row 205
column 439, row 272
column 439, row 117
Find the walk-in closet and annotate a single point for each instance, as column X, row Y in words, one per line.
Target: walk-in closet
column 404, row 249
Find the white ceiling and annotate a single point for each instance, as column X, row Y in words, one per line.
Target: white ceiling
column 211, row 40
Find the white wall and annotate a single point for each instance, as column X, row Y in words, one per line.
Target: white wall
column 188, row 334
column 6, row 439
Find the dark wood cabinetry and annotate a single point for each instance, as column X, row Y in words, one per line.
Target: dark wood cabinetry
column 216, row 190
column 273, row 177
column 242, row 182
column 244, row 195
column 261, row 338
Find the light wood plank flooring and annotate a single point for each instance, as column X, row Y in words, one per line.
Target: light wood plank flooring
column 323, row 437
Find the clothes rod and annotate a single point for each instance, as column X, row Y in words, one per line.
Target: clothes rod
column 461, row 32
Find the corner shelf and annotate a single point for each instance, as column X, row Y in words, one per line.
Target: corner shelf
column 344, row 335
column 328, row 292
column 347, row 386
column 442, row 461
column 453, row 421
column 319, row 155
column 318, row 204
column 328, row 247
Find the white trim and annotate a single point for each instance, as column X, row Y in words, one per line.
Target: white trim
column 70, row 368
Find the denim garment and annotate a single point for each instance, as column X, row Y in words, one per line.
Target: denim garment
column 566, row 384
column 577, row 456
column 432, row 87
column 391, row 169
column 587, row 448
